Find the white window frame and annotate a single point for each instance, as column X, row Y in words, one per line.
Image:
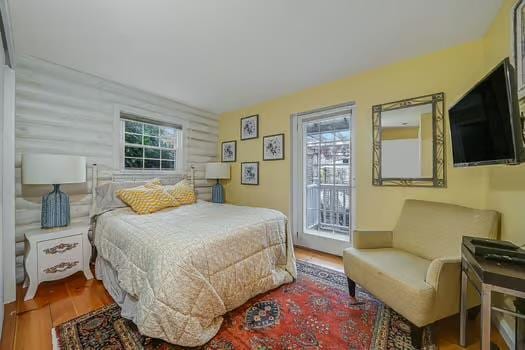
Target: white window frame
column 155, row 118
column 330, row 244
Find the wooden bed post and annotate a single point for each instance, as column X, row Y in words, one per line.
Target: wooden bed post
column 94, row 180
column 192, row 177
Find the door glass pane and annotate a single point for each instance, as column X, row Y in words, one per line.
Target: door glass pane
column 327, row 173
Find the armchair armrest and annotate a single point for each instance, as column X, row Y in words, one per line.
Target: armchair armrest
column 441, row 269
column 371, row 239
column 443, row 275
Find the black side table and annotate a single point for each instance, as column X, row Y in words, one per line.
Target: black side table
column 488, row 276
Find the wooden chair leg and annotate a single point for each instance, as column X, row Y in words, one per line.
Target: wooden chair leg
column 416, row 333
column 351, row 287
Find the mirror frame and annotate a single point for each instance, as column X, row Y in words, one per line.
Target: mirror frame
column 438, row 178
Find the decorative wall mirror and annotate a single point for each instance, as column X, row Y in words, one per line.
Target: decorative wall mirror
column 409, row 142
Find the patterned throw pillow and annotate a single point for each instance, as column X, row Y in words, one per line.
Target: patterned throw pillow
column 182, row 191
column 147, row 199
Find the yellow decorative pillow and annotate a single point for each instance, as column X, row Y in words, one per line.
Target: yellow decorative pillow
column 182, row 191
column 147, row 199
column 154, row 181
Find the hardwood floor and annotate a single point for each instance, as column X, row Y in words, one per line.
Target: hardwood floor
column 27, row 325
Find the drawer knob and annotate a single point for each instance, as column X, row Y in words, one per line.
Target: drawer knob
column 61, row 267
column 61, row 248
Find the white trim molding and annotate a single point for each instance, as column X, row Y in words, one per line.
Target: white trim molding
column 7, row 34
column 8, row 183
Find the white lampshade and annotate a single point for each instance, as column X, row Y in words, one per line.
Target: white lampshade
column 217, row 171
column 51, row 169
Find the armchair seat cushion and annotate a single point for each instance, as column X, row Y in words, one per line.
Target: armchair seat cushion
column 396, row 277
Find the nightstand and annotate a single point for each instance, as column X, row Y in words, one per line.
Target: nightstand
column 53, row 254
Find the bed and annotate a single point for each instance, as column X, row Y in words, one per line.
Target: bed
column 176, row 272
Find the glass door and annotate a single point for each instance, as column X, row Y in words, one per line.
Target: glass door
column 323, row 199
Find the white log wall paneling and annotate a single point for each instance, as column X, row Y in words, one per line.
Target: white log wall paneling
column 60, row 110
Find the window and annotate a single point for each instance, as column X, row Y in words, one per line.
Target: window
column 150, row 145
column 327, row 174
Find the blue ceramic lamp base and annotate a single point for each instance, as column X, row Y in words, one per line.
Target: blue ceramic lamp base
column 55, row 209
column 217, row 193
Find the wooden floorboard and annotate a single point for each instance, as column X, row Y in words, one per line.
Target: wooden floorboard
column 9, row 329
column 27, row 325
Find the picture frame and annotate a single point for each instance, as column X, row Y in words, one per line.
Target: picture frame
column 273, row 147
column 518, row 45
column 250, row 127
column 249, row 173
column 229, row 151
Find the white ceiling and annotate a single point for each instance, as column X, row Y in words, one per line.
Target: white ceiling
column 223, row 55
column 404, row 117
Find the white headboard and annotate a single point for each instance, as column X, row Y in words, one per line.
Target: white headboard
column 168, row 178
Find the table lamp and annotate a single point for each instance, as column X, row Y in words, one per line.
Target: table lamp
column 53, row 169
column 217, row 171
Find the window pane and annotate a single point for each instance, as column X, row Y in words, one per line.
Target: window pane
column 152, row 153
column 327, row 154
column 167, row 143
column 327, row 175
column 168, row 164
column 342, row 174
column 133, row 163
column 151, row 141
column 136, row 139
column 342, row 135
column 133, row 151
column 168, row 155
column 327, row 137
column 134, row 127
column 168, row 132
column 149, row 146
column 151, row 164
column 151, row 130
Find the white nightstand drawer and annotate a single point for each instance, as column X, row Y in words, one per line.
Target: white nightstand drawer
column 59, row 258
column 54, row 254
column 64, row 249
column 60, row 268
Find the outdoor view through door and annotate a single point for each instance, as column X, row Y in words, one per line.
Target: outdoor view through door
column 322, row 179
column 327, row 175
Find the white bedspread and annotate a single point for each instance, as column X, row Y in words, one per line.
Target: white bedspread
column 190, row 265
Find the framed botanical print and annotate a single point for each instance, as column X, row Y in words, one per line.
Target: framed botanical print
column 229, row 151
column 273, row 147
column 250, row 127
column 518, row 30
column 250, row 173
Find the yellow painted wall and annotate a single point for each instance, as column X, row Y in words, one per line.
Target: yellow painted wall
column 451, row 71
column 399, row 133
column 506, row 192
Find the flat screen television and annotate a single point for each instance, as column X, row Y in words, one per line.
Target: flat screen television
column 485, row 123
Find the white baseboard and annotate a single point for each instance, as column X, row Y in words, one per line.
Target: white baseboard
column 54, row 339
column 505, row 329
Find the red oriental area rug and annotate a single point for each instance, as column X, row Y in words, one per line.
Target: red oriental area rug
column 314, row 312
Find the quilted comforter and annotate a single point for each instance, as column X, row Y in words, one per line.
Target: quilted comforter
column 190, row 265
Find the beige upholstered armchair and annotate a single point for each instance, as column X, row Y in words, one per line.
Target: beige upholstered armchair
column 415, row 269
